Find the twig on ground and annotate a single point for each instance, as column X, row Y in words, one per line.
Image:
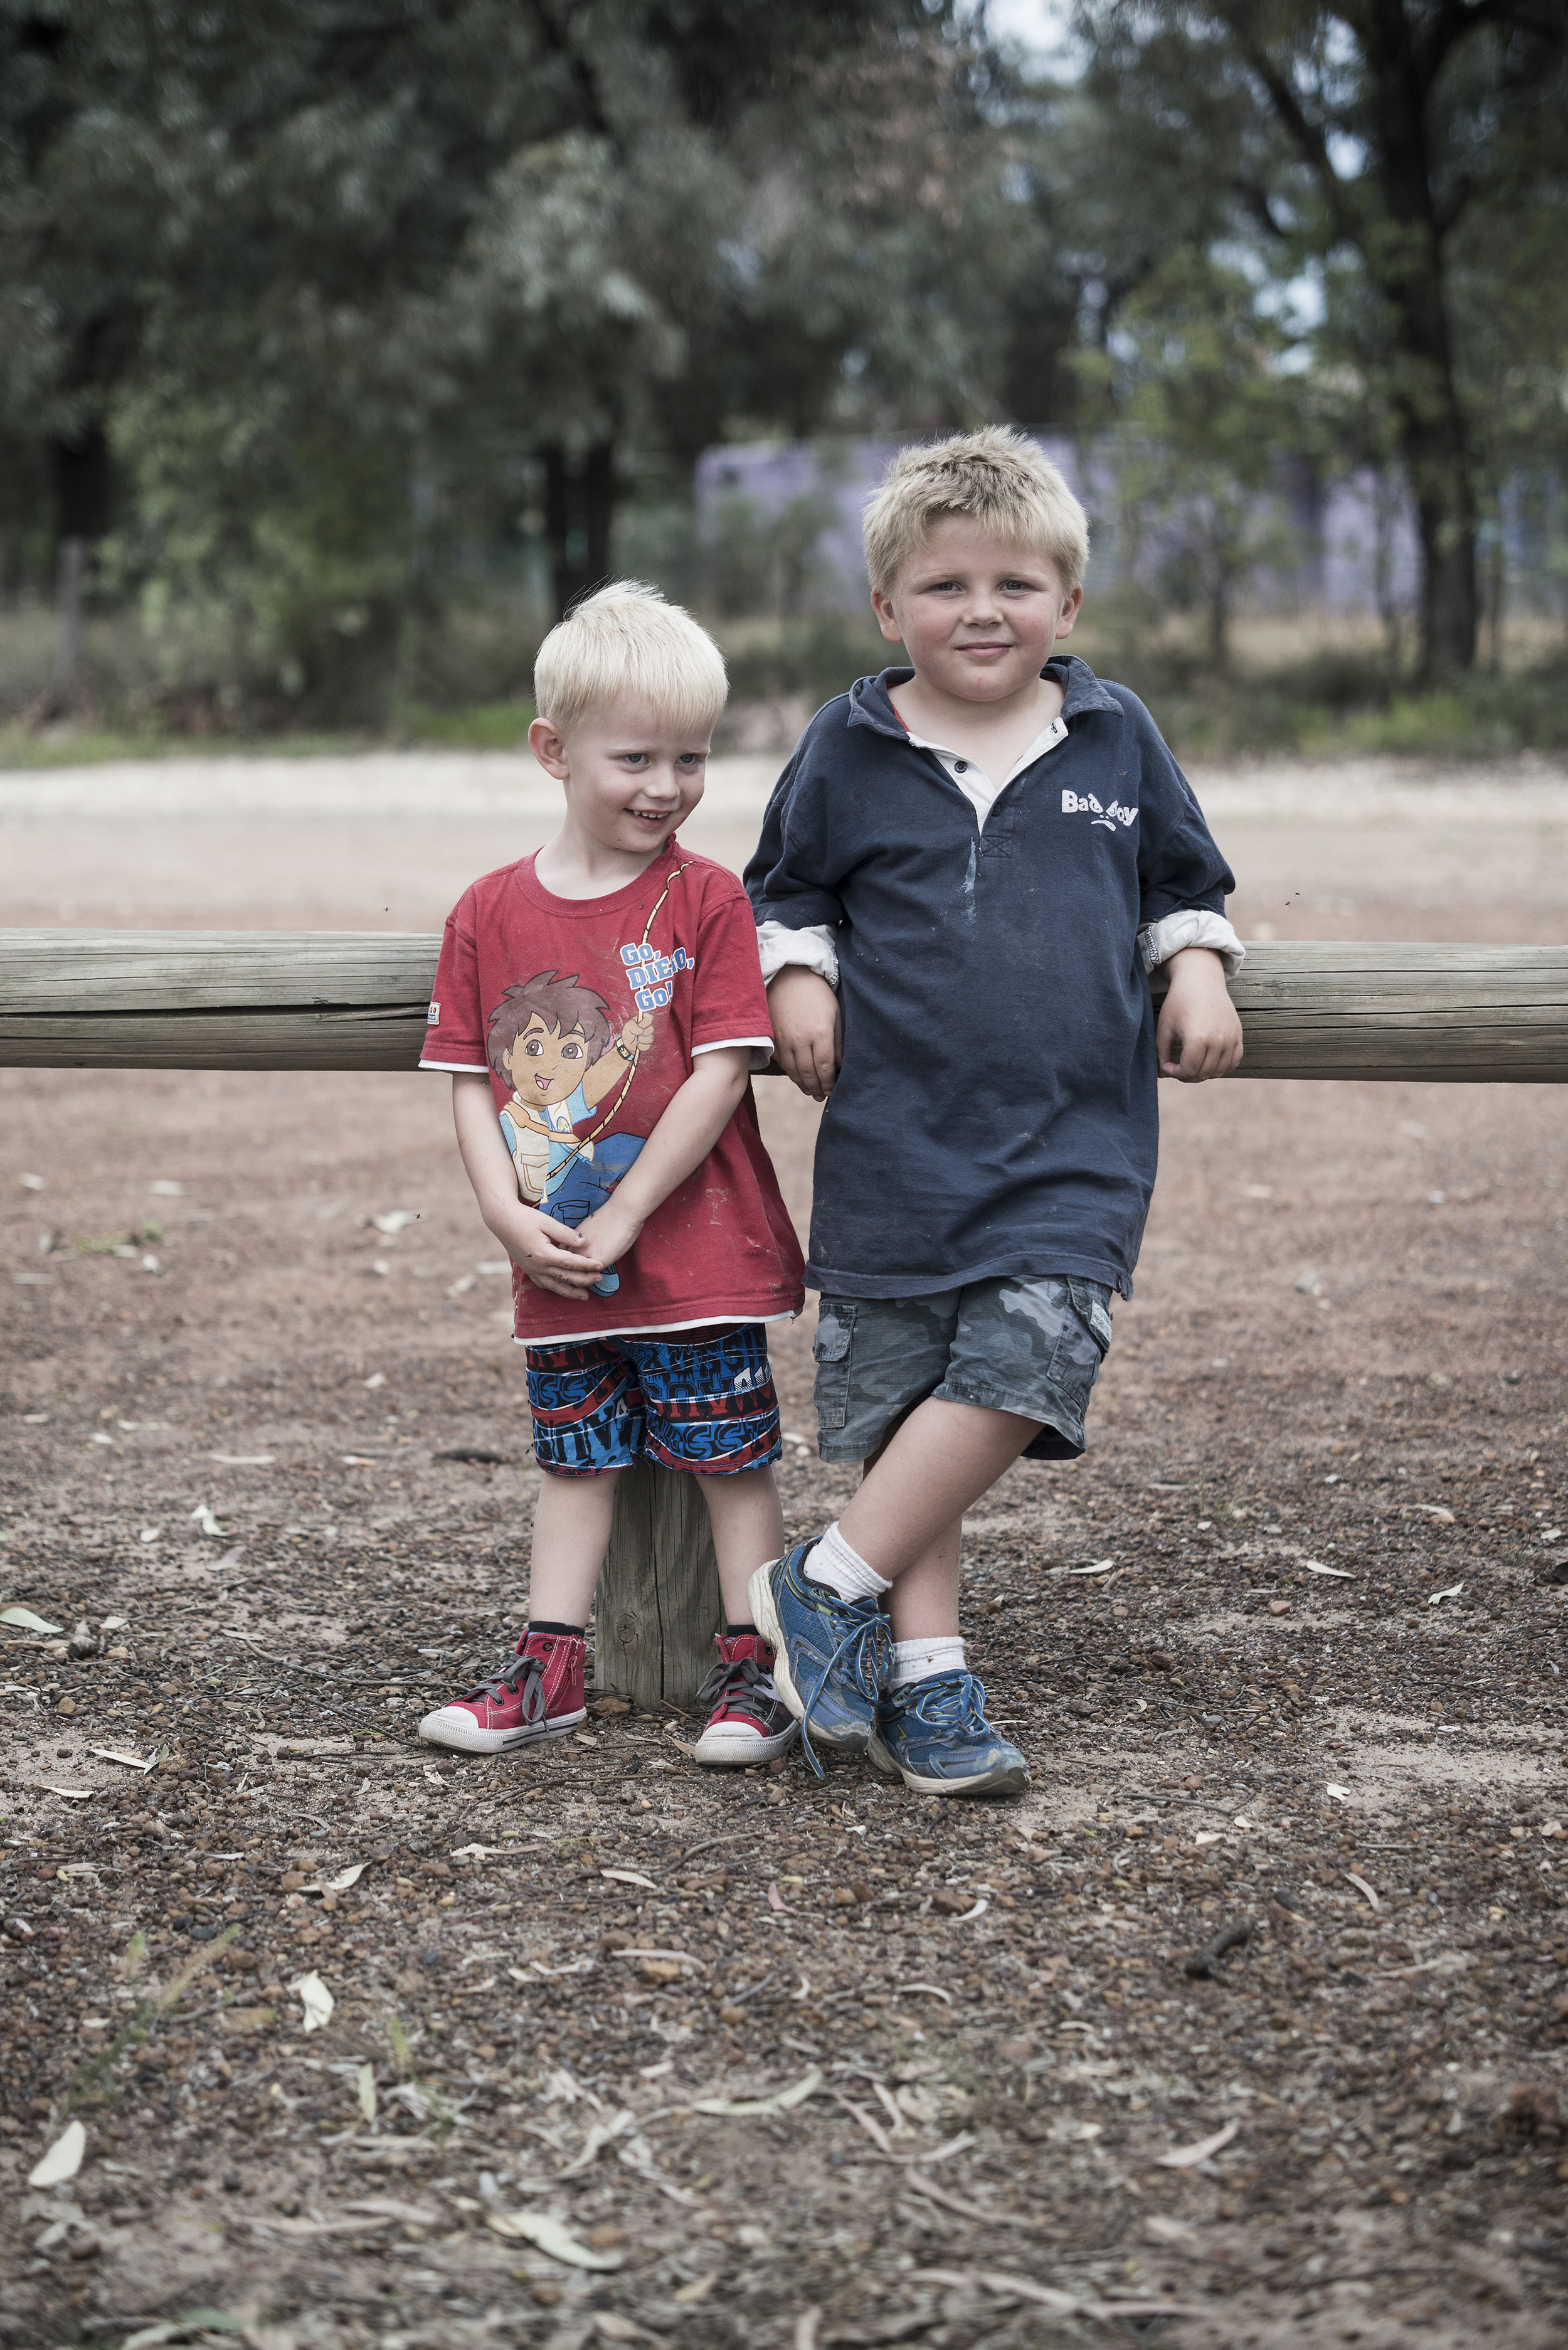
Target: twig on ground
column 916, row 2178
column 736, row 1998
column 1203, row 1962
column 707, row 1844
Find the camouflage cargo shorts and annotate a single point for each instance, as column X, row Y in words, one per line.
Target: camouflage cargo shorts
column 1033, row 1348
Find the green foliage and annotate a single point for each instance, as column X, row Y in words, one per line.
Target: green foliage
column 482, row 726
column 399, row 330
column 1200, row 414
column 1368, row 147
column 813, row 659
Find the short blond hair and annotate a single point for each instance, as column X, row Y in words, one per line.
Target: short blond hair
column 625, row 642
column 998, row 477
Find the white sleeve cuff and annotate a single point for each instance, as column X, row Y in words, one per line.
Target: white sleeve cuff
column 764, row 1044
column 1191, row 926
column 777, row 945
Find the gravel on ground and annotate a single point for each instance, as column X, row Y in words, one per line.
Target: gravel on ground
column 1248, row 2025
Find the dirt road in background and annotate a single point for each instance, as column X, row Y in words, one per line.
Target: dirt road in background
column 1285, row 1653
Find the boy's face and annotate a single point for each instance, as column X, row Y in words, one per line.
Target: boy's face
column 630, row 777
column 977, row 618
column 543, row 1065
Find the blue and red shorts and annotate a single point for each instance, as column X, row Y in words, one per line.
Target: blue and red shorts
column 701, row 1400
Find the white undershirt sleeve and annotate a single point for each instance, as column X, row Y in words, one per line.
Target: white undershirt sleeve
column 777, row 945
column 1190, row 926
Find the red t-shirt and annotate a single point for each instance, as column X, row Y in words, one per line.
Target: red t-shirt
column 585, row 1013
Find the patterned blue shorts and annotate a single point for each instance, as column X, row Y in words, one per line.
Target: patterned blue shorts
column 701, row 1400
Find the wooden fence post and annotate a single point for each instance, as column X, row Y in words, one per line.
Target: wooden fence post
column 658, row 1604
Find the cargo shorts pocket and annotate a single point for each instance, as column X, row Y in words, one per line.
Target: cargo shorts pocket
column 830, row 1351
column 1091, row 1303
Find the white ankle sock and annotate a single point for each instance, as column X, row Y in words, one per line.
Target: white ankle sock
column 917, row 1660
column 843, row 1570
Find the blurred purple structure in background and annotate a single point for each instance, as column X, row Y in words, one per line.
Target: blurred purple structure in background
column 1355, row 539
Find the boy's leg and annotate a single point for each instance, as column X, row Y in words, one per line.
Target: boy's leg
column 933, row 1468
column 571, row 1533
column 748, row 1721
column 966, row 1379
column 923, row 1603
column 587, row 1424
column 712, row 1412
column 747, row 1519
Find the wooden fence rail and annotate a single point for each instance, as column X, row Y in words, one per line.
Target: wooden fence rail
column 354, row 999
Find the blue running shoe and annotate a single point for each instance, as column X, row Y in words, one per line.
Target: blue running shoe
column 830, row 1655
column 933, row 1734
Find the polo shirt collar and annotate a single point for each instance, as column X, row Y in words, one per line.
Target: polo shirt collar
column 871, row 703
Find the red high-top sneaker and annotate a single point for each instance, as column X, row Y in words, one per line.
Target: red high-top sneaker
column 749, row 1721
column 538, row 1693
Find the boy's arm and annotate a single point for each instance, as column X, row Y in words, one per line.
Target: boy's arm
column 808, row 1029
column 792, row 882
column 1198, row 1034
column 693, row 1119
column 546, row 1250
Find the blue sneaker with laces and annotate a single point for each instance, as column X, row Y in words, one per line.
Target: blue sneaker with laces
column 830, row 1655
column 933, row 1734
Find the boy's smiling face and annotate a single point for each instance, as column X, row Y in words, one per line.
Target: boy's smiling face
column 543, row 1065
column 978, row 618
column 632, row 777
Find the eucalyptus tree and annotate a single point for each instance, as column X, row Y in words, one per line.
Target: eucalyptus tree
column 1368, row 139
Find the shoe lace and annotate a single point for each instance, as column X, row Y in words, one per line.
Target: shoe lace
column 861, row 1657
column 950, row 1701
column 502, row 1683
column 735, row 1679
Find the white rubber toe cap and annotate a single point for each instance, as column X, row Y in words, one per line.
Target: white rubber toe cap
column 454, row 1725
column 730, row 1745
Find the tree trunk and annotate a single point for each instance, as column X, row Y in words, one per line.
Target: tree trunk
column 1446, row 513
column 80, row 470
column 1395, row 222
column 69, row 565
column 1405, row 258
column 579, row 513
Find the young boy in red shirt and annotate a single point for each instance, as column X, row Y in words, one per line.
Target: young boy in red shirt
column 597, row 1004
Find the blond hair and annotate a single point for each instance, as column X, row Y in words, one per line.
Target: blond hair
column 999, row 478
column 625, row 642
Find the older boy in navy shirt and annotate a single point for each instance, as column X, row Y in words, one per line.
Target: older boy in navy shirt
column 965, row 874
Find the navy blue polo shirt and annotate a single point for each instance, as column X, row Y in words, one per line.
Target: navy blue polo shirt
column 996, row 1112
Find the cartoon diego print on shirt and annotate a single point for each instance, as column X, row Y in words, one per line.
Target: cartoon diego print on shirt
column 552, row 1040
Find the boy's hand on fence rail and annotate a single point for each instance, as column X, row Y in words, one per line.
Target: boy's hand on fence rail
column 808, row 1029
column 1198, row 1033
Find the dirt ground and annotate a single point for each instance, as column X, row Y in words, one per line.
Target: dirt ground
column 1285, row 1652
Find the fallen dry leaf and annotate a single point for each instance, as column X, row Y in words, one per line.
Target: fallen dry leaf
column 1187, row 2158
column 338, row 1884
column 552, row 2238
column 698, row 2290
column 781, row 2102
column 63, row 2160
column 315, row 1999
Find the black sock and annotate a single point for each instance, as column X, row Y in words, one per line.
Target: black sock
column 562, row 1631
column 740, row 1631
